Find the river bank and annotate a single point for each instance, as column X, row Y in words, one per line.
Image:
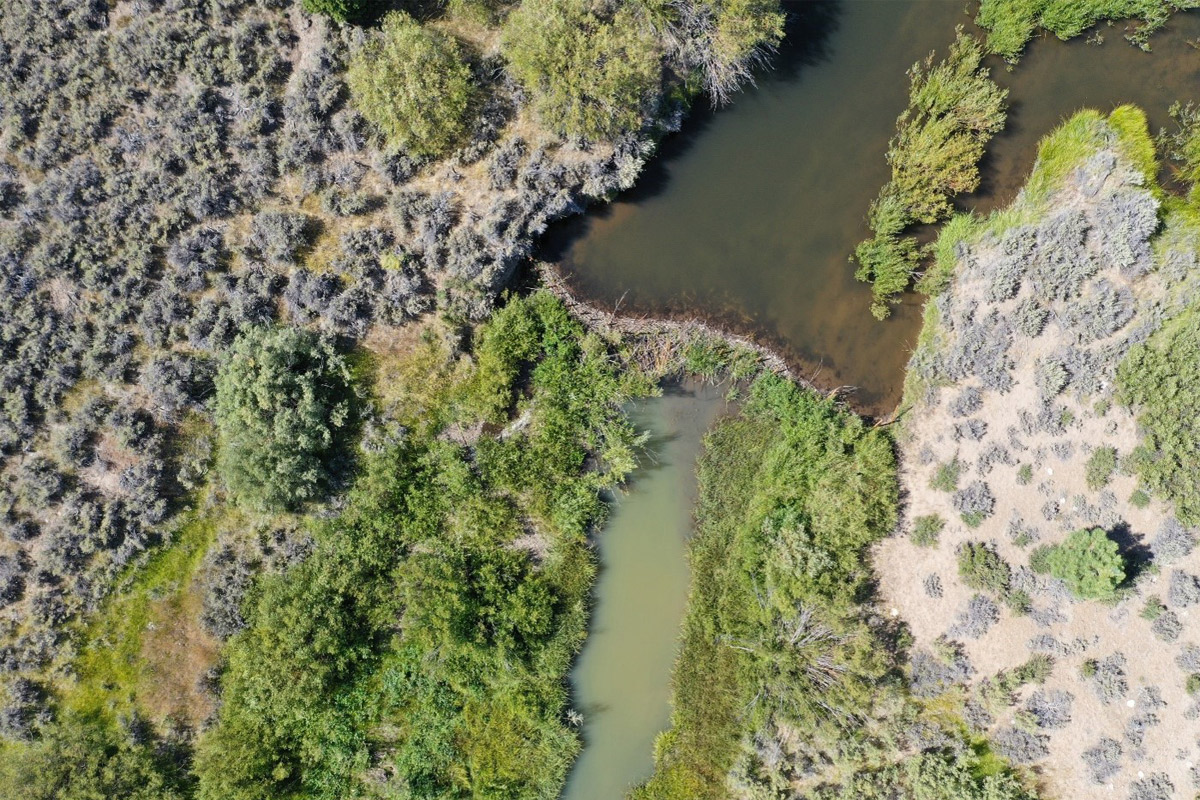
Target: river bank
column 745, row 219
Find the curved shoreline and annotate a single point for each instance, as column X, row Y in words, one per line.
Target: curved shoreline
column 657, row 341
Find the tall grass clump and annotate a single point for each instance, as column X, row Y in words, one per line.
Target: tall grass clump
column 954, row 110
column 1011, row 23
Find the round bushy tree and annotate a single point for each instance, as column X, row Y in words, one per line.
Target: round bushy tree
column 1089, row 563
column 283, row 401
column 411, row 83
column 591, row 73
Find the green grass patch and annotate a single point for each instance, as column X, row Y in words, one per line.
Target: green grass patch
column 1100, row 466
column 1059, row 153
column 958, row 229
column 927, row 530
column 1011, row 23
column 945, row 477
column 110, row 668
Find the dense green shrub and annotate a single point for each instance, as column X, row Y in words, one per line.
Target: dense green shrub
column 1039, row 559
column 1089, row 562
column 945, row 477
column 981, row 567
column 1100, row 466
column 954, row 110
column 282, row 408
column 1158, row 379
column 592, row 71
column 413, row 85
column 87, row 758
column 340, row 10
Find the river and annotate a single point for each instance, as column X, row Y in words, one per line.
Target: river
column 748, row 216
column 620, row 682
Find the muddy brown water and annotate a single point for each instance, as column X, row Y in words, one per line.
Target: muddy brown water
column 621, row 681
column 748, row 216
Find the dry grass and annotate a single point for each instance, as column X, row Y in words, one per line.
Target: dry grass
column 176, row 653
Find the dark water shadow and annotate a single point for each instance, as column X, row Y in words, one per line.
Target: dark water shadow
column 808, row 29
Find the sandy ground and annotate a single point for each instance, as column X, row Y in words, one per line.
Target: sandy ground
column 1081, row 630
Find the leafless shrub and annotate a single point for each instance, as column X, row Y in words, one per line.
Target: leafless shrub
column 979, row 616
column 1060, row 259
column 1050, row 377
column 933, row 674
column 1167, row 626
column 973, row 430
column 1051, row 708
column 1020, row 746
column 966, row 402
column 990, row 456
column 1103, row 760
column 1030, row 316
column 975, row 499
column 1107, row 679
column 1172, row 542
column 1136, row 728
column 1184, row 589
column 1189, row 658
column 1125, row 220
column 1155, row 786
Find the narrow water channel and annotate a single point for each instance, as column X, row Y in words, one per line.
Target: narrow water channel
column 748, row 216
column 622, row 679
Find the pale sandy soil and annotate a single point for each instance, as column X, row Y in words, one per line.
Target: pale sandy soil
column 1084, row 629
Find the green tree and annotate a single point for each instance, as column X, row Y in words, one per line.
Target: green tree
column 340, row 10
column 591, row 73
column 1089, row 563
column 283, row 403
column 412, row 84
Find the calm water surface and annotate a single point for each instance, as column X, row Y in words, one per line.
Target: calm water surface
column 621, row 681
column 748, row 216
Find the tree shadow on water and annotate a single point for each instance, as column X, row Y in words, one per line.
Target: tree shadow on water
column 808, row 29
